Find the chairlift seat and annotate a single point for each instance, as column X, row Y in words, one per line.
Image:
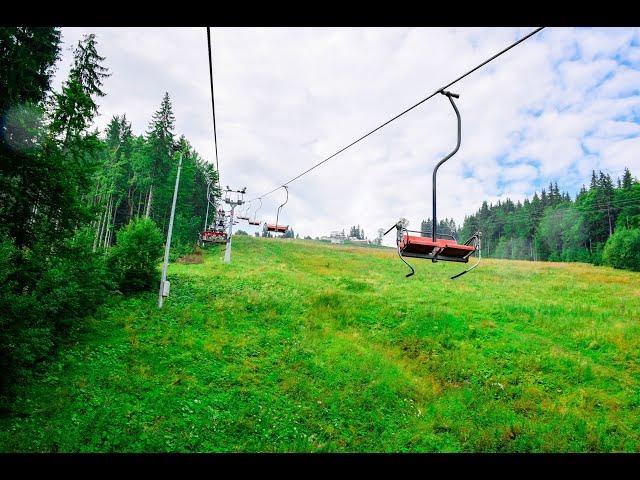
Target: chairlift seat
column 251, row 222
column 277, row 228
column 441, row 249
column 213, row 236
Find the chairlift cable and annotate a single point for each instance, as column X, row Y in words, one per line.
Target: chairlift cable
column 407, row 110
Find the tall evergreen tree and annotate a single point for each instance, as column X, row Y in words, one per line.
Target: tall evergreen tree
column 27, row 59
column 76, row 104
column 627, row 179
column 160, row 139
column 555, row 227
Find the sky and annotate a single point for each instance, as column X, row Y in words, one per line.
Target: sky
column 562, row 103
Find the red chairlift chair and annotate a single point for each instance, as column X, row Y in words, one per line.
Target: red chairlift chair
column 213, row 236
column 213, row 232
column 246, row 213
column 254, row 221
column 216, row 232
column 275, row 227
column 242, row 213
column 434, row 248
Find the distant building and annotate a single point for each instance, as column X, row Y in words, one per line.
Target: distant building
column 337, row 237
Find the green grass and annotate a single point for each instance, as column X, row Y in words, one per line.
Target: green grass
column 299, row 346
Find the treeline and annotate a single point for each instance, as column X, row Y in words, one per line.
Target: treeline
column 83, row 213
column 356, row 232
column 599, row 226
column 137, row 178
column 446, row 227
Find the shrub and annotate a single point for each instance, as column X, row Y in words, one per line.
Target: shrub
column 134, row 258
column 596, row 254
column 622, row 250
column 574, row 254
column 76, row 282
column 42, row 291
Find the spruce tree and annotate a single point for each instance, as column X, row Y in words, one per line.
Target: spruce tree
column 27, row 59
column 76, row 104
column 627, row 179
column 160, row 139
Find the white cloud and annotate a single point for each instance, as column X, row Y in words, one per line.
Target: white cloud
column 288, row 97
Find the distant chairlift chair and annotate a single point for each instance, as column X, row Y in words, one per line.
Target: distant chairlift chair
column 216, row 233
column 254, row 221
column 275, row 227
column 434, row 248
column 244, row 216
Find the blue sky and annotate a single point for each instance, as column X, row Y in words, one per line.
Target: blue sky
column 561, row 104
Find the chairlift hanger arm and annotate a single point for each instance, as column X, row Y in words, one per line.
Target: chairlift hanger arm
column 286, row 189
column 256, row 212
column 450, row 96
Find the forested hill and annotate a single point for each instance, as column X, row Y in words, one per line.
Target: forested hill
column 603, row 219
column 136, row 177
column 83, row 213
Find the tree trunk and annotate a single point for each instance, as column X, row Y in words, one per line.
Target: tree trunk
column 112, row 228
column 130, row 195
column 139, row 202
column 107, row 222
column 150, row 199
column 100, row 229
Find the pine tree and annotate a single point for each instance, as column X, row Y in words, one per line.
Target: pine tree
column 426, row 227
column 27, row 59
column 160, row 139
column 76, row 104
column 627, row 179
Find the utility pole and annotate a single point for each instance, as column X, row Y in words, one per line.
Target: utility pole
column 206, row 218
column 164, row 284
column 233, row 203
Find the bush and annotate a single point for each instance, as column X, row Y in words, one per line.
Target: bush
column 75, row 282
column 622, row 250
column 575, row 254
column 134, row 258
column 596, row 254
column 42, row 292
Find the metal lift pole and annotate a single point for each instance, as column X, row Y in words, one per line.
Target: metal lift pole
column 164, row 285
column 227, row 252
column 234, row 204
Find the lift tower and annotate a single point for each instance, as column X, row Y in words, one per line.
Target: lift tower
column 233, row 203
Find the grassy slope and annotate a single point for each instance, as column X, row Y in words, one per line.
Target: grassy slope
column 298, row 346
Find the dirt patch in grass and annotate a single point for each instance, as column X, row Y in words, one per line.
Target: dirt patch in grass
column 192, row 258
